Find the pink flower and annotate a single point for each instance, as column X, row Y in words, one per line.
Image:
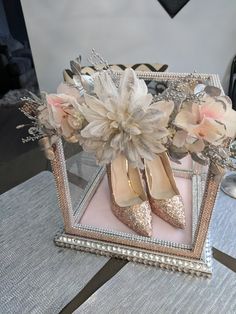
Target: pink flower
column 219, row 109
column 70, row 90
column 212, row 120
column 64, row 115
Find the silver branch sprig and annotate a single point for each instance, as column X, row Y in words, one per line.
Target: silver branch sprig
column 37, row 134
column 98, row 61
column 100, row 64
column 178, row 90
column 220, row 156
column 30, row 109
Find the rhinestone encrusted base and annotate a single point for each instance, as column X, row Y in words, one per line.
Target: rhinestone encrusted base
column 195, row 267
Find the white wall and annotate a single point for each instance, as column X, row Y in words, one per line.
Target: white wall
column 201, row 37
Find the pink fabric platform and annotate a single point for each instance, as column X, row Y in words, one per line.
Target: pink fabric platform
column 99, row 214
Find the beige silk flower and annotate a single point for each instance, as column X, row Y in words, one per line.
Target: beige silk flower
column 123, row 120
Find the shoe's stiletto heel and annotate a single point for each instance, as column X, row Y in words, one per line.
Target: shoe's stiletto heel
column 164, row 197
column 128, row 200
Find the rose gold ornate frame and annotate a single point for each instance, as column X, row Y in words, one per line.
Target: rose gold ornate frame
column 194, row 259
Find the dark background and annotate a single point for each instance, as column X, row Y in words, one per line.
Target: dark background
column 18, row 161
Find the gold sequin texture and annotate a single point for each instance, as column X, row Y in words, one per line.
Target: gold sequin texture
column 171, row 210
column 138, row 217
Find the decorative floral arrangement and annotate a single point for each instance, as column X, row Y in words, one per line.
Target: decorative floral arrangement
column 109, row 114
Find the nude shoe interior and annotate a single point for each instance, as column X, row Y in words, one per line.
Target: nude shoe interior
column 164, row 196
column 126, row 183
column 129, row 201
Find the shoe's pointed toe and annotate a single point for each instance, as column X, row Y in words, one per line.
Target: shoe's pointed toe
column 137, row 217
column 163, row 194
column 171, row 210
column 142, row 218
column 133, row 208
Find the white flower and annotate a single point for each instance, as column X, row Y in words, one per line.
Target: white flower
column 123, row 120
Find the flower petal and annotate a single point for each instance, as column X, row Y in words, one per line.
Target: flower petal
column 96, row 129
column 196, row 147
column 89, row 114
column 96, row 105
column 164, row 106
column 64, row 88
column 210, row 130
column 143, row 102
column 230, row 123
column 106, row 90
column 185, row 119
column 212, row 108
column 229, row 117
column 131, row 88
column 179, row 138
column 66, row 129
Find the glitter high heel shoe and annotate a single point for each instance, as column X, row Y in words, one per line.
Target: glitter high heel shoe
column 129, row 202
column 164, row 197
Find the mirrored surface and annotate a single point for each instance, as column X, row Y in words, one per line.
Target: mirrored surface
column 81, row 171
column 94, row 208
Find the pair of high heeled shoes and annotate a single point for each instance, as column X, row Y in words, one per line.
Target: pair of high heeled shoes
column 132, row 205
